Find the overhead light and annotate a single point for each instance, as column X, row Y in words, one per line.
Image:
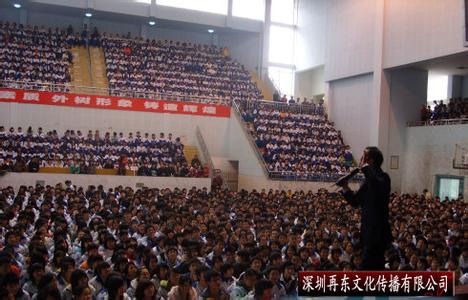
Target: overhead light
column 210, row 30
column 88, row 15
column 152, row 23
column 17, row 5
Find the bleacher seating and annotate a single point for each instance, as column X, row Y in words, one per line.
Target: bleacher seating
column 33, row 54
column 177, row 68
column 77, row 153
column 294, row 145
column 297, row 144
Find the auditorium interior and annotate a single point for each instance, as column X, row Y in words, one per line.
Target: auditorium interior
column 209, row 149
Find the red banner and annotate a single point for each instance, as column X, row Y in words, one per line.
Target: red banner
column 373, row 283
column 111, row 102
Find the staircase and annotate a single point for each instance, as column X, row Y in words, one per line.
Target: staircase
column 190, row 152
column 80, row 73
column 264, row 88
column 88, row 71
column 98, row 69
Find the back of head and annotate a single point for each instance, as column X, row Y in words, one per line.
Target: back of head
column 142, row 286
column 114, row 282
column 49, row 292
column 376, row 155
column 261, row 286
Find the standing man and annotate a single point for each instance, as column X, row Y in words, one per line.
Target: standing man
column 372, row 198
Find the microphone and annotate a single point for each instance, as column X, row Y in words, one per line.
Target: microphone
column 346, row 178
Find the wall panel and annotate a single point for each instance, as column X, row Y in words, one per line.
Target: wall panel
column 426, row 156
column 351, row 110
column 418, row 30
column 349, row 38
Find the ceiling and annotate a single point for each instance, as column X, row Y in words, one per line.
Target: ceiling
column 456, row 64
column 125, row 18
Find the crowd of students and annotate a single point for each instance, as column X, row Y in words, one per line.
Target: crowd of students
column 35, row 54
column 310, row 102
column 70, row 242
column 177, row 68
column 455, row 109
column 42, row 55
column 297, row 144
column 146, row 154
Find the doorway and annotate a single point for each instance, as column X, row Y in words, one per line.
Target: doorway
column 449, row 186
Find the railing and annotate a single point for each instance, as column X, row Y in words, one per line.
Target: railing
column 238, row 114
column 307, row 176
column 292, row 107
column 204, row 150
column 206, row 154
column 460, row 121
column 90, row 70
column 66, row 88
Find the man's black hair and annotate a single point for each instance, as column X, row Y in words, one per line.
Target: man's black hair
column 375, row 154
column 261, row 286
column 211, row 274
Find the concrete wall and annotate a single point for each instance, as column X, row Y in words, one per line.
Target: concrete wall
column 309, row 83
column 53, row 20
column 17, row 179
column 349, row 106
column 406, row 31
column 239, row 148
column 426, row 156
column 9, row 14
column 310, row 34
column 455, row 86
column 63, row 118
column 408, row 91
column 259, row 182
column 464, row 88
column 367, row 38
column 349, row 45
column 422, row 29
column 244, row 47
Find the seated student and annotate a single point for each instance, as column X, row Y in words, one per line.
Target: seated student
column 146, row 290
column 114, row 288
column 278, row 291
column 214, row 289
column 83, row 293
column 11, row 288
column 79, row 280
column 245, row 285
column 35, row 273
column 33, row 165
column 183, row 290
column 263, row 290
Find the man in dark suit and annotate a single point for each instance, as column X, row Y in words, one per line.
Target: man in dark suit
column 372, row 198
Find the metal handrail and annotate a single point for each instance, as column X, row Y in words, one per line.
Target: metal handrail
column 308, row 176
column 90, row 71
column 438, row 122
column 206, row 154
column 82, row 89
column 238, row 115
column 295, row 107
column 204, row 149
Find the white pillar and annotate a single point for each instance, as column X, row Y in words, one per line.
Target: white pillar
column 265, row 41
